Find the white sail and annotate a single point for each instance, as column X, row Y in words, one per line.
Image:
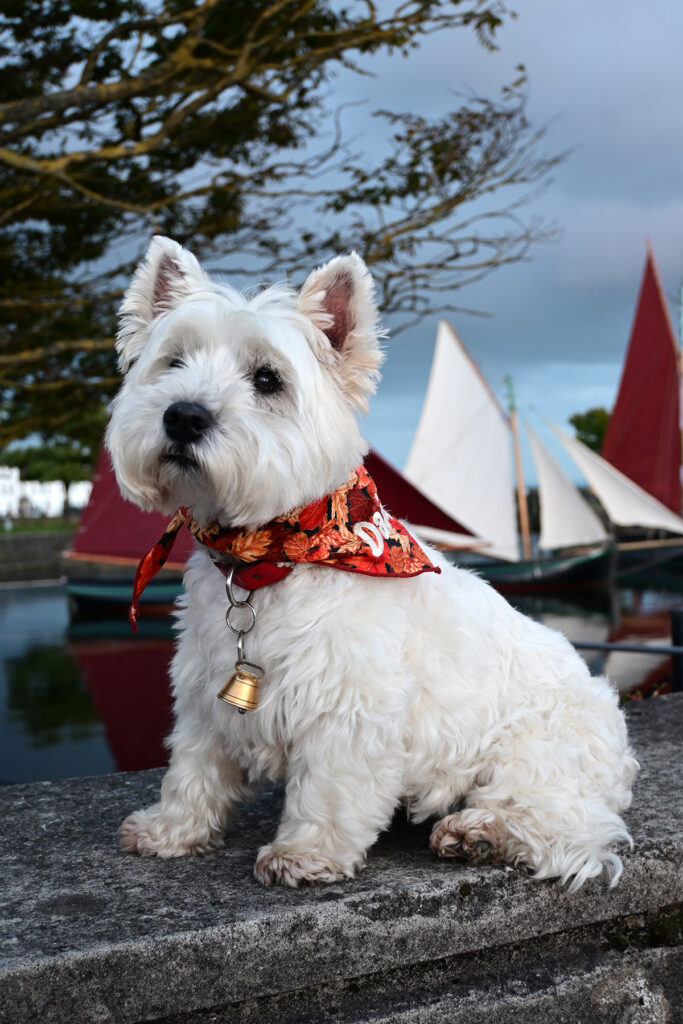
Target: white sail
column 625, row 503
column 461, row 456
column 567, row 519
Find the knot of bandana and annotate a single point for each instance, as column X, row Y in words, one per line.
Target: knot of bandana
column 347, row 529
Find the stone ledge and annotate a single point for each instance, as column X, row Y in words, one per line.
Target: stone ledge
column 584, row 976
column 88, row 934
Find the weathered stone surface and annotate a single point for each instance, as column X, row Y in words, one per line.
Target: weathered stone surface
column 589, row 979
column 89, row 934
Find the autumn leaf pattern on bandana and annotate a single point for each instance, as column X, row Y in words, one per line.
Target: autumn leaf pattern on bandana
column 347, row 530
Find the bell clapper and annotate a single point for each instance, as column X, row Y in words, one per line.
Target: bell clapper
column 241, row 689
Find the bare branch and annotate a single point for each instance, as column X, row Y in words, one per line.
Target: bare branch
column 58, row 348
column 209, row 124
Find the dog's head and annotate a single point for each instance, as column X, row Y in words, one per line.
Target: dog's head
column 242, row 408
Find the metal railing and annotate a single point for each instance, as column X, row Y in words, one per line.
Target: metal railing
column 674, row 649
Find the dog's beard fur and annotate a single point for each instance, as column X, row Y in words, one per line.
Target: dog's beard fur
column 431, row 690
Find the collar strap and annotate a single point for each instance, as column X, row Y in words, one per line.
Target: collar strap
column 347, row 529
column 253, row 577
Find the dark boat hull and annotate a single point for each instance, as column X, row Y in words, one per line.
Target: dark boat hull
column 98, row 597
column 552, row 573
column 102, row 589
column 645, row 555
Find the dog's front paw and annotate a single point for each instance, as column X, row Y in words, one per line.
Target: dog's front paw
column 150, row 834
column 136, row 835
column 276, row 864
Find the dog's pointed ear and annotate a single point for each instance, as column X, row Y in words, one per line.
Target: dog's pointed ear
column 339, row 298
column 165, row 276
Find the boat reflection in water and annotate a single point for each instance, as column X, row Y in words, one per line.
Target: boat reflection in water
column 127, row 680
column 639, row 617
column 78, row 699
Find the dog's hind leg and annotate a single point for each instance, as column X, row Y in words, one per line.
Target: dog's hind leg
column 199, row 792
column 574, row 846
column 499, row 834
column 473, row 835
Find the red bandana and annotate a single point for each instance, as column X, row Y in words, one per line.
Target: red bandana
column 347, row 529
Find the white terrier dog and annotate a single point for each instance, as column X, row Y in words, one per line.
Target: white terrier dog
column 429, row 690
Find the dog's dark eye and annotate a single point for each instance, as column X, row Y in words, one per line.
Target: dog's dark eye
column 266, row 381
column 175, row 363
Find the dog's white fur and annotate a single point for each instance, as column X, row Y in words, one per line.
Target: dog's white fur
column 432, row 691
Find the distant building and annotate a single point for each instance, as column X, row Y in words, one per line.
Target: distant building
column 41, row 499
column 9, row 491
column 79, row 493
column 27, row 498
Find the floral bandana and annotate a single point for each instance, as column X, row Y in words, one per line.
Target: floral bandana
column 348, row 529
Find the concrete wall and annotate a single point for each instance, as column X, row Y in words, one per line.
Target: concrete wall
column 88, row 934
column 33, row 556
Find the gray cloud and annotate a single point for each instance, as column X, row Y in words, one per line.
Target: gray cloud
column 611, row 77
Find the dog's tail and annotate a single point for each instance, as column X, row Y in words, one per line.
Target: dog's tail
column 589, row 851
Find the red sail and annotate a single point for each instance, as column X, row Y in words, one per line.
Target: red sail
column 403, row 500
column 116, row 529
column 643, row 439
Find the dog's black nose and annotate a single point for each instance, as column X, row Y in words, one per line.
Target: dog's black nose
column 185, row 422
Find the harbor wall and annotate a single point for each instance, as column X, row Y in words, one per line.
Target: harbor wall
column 33, row 556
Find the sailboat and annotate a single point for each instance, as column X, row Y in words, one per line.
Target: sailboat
column 638, row 478
column 113, row 535
column 566, row 517
column 643, row 439
column 461, row 460
column 627, row 505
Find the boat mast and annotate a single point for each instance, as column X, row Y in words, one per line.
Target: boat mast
column 519, row 472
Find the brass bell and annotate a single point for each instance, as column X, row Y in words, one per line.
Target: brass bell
column 242, row 687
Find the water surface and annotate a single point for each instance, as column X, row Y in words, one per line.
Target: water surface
column 90, row 698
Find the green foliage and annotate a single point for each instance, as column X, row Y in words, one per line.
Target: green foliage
column 68, row 462
column 208, row 120
column 44, row 524
column 591, row 427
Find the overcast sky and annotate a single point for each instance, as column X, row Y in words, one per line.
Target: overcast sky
column 609, row 75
